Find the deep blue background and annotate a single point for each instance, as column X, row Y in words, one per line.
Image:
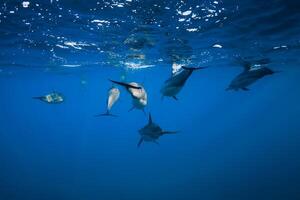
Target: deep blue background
column 231, row 145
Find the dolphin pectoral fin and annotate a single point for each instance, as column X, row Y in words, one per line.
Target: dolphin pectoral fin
column 245, row 89
column 125, row 84
column 174, row 97
column 144, row 111
column 264, row 61
column 39, row 98
column 193, row 68
column 244, row 63
column 140, row 142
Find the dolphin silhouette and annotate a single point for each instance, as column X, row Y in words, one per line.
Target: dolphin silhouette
column 113, row 96
column 51, row 98
column 175, row 83
column 152, row 132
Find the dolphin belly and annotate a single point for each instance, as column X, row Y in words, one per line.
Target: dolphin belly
column 175, row 83
column 243, row 83
column 137, row 93
column 139, row 103
column 244, row 80
column 170, row 90
column 148, row 138
column 53, row 98
column 114, row 95
column 177, row 80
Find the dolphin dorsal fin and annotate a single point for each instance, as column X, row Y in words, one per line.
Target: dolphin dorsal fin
column 150, row 118
column 192, row 68
column 244, row 63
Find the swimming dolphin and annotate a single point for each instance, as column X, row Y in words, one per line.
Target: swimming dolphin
column 174, row 84
column 113, row 96
column 247, row 62
column 251, row 73
column 138, row 94
column 151, row 132
column 52, row 98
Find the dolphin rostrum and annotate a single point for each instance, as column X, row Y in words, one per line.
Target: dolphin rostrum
column 252, row 72
column 174, row 84
column 137, row 92
column 52, row 98
column 113, row 96
column 151, row 132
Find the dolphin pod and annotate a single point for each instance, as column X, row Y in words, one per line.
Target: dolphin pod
column 151, row 132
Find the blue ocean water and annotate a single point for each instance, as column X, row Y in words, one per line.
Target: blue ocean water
column 229, row 145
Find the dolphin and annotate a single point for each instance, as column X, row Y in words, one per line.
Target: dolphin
column 174, row 84
column 151, row 132
column 137, row 92
column 113, row 96
column 247, row 62
column 52, row 98
column 252, row 73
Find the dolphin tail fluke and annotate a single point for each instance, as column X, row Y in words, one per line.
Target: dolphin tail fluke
column 107, row 113
column 193, row 68
column 126, row 85
column 140, row 142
